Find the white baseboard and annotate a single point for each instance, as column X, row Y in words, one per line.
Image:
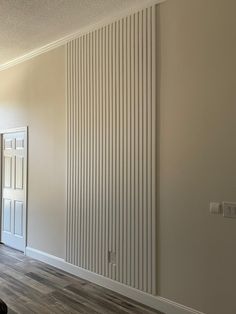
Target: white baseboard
column 161, row 304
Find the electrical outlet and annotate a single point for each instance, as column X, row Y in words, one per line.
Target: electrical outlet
column 215, row 208
column 112, row 257
column 229, row 209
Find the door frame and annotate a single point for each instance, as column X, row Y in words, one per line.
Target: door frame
column 14, row 130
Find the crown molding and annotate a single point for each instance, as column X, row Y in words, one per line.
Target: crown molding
column 64, row 40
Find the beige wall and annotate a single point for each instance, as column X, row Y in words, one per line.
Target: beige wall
column 196, row 251
column 33, row 94
column 197, row 254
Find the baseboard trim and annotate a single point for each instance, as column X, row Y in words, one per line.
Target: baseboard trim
column 161, row 304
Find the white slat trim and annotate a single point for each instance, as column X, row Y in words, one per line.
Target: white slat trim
column 111, row 87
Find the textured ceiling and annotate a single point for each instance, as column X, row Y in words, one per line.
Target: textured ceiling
column 26, row 25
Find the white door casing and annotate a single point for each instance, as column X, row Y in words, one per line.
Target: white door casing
column 14, row 187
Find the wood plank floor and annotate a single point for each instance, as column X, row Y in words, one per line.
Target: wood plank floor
column 29, row 286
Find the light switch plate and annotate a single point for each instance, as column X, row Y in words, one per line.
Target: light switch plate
column 215, row 208
column 229, row 209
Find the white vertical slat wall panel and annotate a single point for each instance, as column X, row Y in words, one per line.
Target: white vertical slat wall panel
column 111, row 97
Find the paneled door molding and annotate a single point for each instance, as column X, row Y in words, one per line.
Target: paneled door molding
column 13, row 174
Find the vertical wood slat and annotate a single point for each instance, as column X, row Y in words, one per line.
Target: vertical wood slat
column 154, row 150
column 110, row 144
column 113, row 131
column 132, row 155
column 111, row 162
column 149, row 147
column 124, row 240
column 97, row 152
column 140, row 192
column 128, row 155
column 117, row 158
column 145, row 223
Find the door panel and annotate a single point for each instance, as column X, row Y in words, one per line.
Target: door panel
column 20, row 143
column 19, row 172
column 14, row 190
column 7, row 215
column 8, row 144
column 18, row 218
column 7, row 171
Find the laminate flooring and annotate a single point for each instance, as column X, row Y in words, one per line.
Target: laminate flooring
column 28, row 286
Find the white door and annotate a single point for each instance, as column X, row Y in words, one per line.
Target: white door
column 14, row 168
